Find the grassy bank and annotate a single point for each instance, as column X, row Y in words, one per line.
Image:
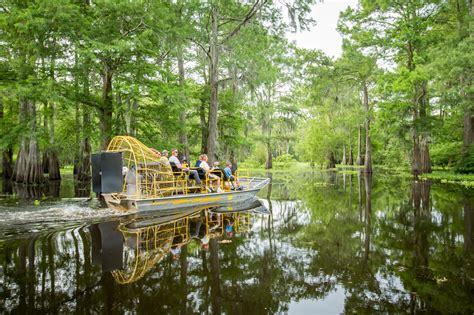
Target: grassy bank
column 449, row 177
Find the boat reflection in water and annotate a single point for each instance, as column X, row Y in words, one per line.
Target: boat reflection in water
column 131, row 247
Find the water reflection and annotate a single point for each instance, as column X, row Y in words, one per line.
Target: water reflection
column 131, row 247
column 334, row 243
column 68, row 187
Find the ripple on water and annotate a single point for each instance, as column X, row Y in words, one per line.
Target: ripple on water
column 38, row 219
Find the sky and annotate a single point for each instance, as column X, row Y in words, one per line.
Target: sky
column 324, row 35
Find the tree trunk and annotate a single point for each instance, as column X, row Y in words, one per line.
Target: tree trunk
column 33, row 165
column 77, row 135
column 424, row 137
column 468, row 128
column 84, row 165
column 20, row 173
column 360, row 160
column 331, row 160
column 133, row 123
column 7, row 158
column 84, row 158
column 425, row 156
column 368, row 145
column 130, row 118
column 416, row 158
column 214, row 79
column 269, row 159
column 7, row 154
column 53, row 169
column 106, row 110
column 344, row 159
column 202, row 117
column 45, row 161
column 233, row 160
column 54, row 173
column 183, row 133
column 350, row 159
column 45, row 153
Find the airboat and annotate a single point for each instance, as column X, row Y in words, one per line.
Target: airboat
column 130, row 177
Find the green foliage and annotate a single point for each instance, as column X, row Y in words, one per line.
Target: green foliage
column 446, row 154
column 465, row 165
column 284, row 161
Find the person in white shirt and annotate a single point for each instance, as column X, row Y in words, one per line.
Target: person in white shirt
column 206, row 168
column 193, row 174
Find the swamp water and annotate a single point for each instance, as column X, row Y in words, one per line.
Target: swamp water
column 334, row 243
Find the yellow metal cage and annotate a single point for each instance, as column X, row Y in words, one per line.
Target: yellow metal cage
column 146, row 175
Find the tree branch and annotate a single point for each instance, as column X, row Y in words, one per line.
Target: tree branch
column 206, row 51
column 133, row 29
column 257, row 5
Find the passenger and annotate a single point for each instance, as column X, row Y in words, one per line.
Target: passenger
column 164, row 158
column 156, row 152
column 184, row 162
column 193, row 174
column 198, row 162
column 228, row 174
column 206, row 168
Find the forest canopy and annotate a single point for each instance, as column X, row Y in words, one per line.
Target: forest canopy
column 220, row 77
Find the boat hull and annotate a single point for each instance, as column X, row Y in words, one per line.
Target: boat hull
column 180, row 201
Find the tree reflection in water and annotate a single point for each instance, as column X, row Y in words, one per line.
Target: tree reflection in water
column 389, row 245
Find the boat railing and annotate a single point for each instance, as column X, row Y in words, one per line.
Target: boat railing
column 148, row 182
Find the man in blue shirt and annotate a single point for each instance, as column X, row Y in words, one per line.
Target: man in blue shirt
column 228, row 174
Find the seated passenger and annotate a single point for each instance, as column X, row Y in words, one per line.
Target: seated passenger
column 184, row 162
column 193, row 174
column 206, row 168
column 198, row 162
column 228, row 175
column 164, row 158
column 156, row 152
